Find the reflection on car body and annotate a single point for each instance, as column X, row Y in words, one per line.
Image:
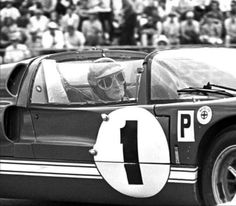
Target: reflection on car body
column 120, row 127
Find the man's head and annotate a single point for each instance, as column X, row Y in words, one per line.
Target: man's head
column 52, row 26
column 107, row 80
column 189, row 16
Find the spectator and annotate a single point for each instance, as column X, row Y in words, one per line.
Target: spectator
column 48, row 6
column 232, row 8
column 9, row 27
column 62, row 5
column 35, row 5
column 74, row 39
column 70, row 18
column 184, row 6
column 152, row 26
column 162, row 42
column 53, row 38
column 34, row 43
column 162, row 10
column 214, row 10
column 53, row 16
column 200, row 9
column 150, row 31
column 105, row 16
column 189, row 30
column 16, row 51
column 171, row 28
column 82, row 11
column 224, row 6
column 129, row 22
column 9, row 11
column 23, row 21
column 230, row 26
column 211, row 30
column 92, row 29
column 39, row 21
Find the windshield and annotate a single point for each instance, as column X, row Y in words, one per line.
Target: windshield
column 175, row 72
column 85, row 82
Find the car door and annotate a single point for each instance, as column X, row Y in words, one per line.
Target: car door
column 66, row 130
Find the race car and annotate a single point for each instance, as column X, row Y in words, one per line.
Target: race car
column 120, row 127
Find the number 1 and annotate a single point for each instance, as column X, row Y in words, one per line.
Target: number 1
column 129, row 139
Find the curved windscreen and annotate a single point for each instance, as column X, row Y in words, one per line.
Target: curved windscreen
column 86, row 82
column 172, row 71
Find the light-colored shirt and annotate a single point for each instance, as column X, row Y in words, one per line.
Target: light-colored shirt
column 91, row 28
column 16, row 53
column 53, row 42
column 9, row 12
column 77, row 40
column 230, row 26
column 185, row 27
column 40, row 24
column 72, row 20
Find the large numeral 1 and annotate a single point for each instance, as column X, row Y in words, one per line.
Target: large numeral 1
column 129, row 139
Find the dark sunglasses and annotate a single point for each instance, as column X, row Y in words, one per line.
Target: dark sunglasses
column 106, row 82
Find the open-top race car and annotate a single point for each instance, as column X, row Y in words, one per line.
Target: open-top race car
column 120, row 127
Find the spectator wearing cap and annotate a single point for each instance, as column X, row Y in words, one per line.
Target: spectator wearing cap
column 9, row 11
column 16, row 51
column 53, row 37
column 70, row 18
column 230, row 26
column 211, row 30
column 171, row 28
column 189, row 30
column 74, row 39
column 162, row 42
column 39, row 21
column 92, row 29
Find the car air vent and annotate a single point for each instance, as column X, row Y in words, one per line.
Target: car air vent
column 13, row 83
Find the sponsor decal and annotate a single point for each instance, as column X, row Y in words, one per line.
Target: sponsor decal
column 185, row 126
column 204, row 115
column 132, row 153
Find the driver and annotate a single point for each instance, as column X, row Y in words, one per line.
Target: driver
column 107, row 81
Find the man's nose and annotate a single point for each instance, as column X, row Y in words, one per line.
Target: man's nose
column 116, row 82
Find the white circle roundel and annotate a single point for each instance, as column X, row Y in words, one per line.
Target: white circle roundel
column 204, row 115
column 132, row 152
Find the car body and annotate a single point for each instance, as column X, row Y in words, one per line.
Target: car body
column 171, row 141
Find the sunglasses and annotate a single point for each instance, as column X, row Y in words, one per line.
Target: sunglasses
column 106, row 83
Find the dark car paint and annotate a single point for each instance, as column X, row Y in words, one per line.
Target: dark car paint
column 52, row 142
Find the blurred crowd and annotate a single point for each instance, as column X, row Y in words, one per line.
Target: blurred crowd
column 31, row 26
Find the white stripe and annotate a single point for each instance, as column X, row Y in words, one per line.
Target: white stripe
column 183, row 181
column 49, row 169
column 79, row 170
column 183, row 175
column 47, row 163
column 51, row 175
column 184, row 169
